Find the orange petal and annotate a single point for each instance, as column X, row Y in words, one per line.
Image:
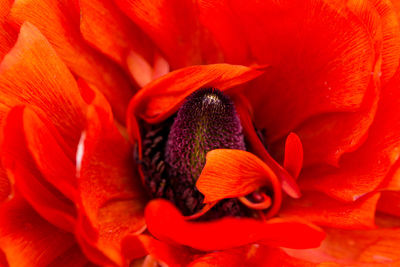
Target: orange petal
column 363, row 171
column 391, row 38
column 108, row 29
column 360, row 248
column 59, row 22
column 323, row 210
column 43, row 72
column 135, row 247
column 22, row 169
column 252, row 255
column 166, row 223
column 173, row 25
column 112, row 197
column 230, row 173
column 8, row 35
column 27, row 239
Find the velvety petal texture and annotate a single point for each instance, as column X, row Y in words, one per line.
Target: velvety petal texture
column 165, row 222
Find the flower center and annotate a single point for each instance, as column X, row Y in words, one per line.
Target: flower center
column 174, row 152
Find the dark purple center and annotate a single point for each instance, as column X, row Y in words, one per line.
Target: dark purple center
column 207, row 120
column 173, row 162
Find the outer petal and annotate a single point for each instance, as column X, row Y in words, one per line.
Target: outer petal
column 173, row 25
column 304, row 41
column 5, row 185
column 230, row 173
column 389, row 202
column 59, row 22
column 362, row 171
column 46, row 83
column 27, row 239
column 24, row 172
column 166, row 223
column 350, row 247
column 252, row 255
column 112, row 199
column 7, row 34
column 112, row 32
column 323, row 210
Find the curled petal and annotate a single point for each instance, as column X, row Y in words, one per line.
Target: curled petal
column 230, row 173
column 166, row 223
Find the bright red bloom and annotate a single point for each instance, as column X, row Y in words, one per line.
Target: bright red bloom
column 319, row 79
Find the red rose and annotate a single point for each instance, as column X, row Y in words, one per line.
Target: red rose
column 308, row 145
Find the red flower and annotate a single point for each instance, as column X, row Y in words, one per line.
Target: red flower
column 315, row 76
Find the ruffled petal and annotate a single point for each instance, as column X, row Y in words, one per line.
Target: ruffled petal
column 46, row 83
column 26, row 175
column 166, row 223
column 108, row 29
column 230, row 173
column 137, row 246
column 174, row 26
column 112, row 197
column 364, row 170
column 252, row 255
column 325, row 211
column 390, row 38
column 27, row 239
column 361, row 248
column 322, row 57
column 59, row 22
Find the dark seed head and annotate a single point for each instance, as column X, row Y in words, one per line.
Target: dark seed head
column 206, row 121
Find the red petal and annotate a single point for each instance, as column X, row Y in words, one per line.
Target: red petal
column 59, row 22
column 323, row 210
column 362, row 171
column 108, row 29
column 293, row 155
column 173, row 25
column 257, row 147
column 135, row 247
column 357, row 248
column 111, row 193
column 166, row 223
column 305, row 50
column 5, row 185
column 253, row 255
column 27, row 239
column 7, row 34
column 43, row 72
column 389, row 202
column 391, row 38
column 21, row 168
column 230, row 173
